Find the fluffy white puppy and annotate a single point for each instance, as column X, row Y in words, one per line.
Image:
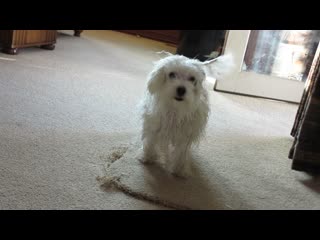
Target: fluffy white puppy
column 176, row 109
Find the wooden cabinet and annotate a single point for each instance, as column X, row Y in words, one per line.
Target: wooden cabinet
column 12, row 40
column 168, row 36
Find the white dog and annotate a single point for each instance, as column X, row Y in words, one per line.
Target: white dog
column 175, row 110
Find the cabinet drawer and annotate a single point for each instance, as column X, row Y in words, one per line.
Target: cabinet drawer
column 25, row 38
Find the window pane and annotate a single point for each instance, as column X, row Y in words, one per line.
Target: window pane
column 282, row 53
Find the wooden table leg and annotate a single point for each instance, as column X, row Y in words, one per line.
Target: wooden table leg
column 9, row 50
column 77, row 33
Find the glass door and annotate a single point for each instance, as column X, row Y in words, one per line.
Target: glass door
column 270, row 63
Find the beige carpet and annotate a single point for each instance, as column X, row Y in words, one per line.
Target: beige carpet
column 241, row 164
column 64, row 112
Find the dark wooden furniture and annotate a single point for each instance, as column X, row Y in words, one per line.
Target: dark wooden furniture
column 77, row 33
column 305, row 150
column 12, row 40
column 200, row 44
column 167, row 36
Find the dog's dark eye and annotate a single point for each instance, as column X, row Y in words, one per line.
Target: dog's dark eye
column 172, row 75
column 192, row 79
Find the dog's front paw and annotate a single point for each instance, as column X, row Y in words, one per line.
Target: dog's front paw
column 184, row 172
column 145, row 158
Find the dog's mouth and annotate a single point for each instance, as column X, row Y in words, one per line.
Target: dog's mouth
column 178, row 99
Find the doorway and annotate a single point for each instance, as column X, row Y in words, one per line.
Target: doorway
column 271, row 64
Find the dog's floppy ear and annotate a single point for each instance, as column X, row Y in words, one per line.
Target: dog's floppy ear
column 165, row 53
column 155, row 79
column 220, row 66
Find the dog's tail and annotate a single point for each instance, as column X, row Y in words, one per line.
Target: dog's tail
column 220, row 67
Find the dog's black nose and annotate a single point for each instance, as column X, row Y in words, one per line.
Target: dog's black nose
column 181, row 91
